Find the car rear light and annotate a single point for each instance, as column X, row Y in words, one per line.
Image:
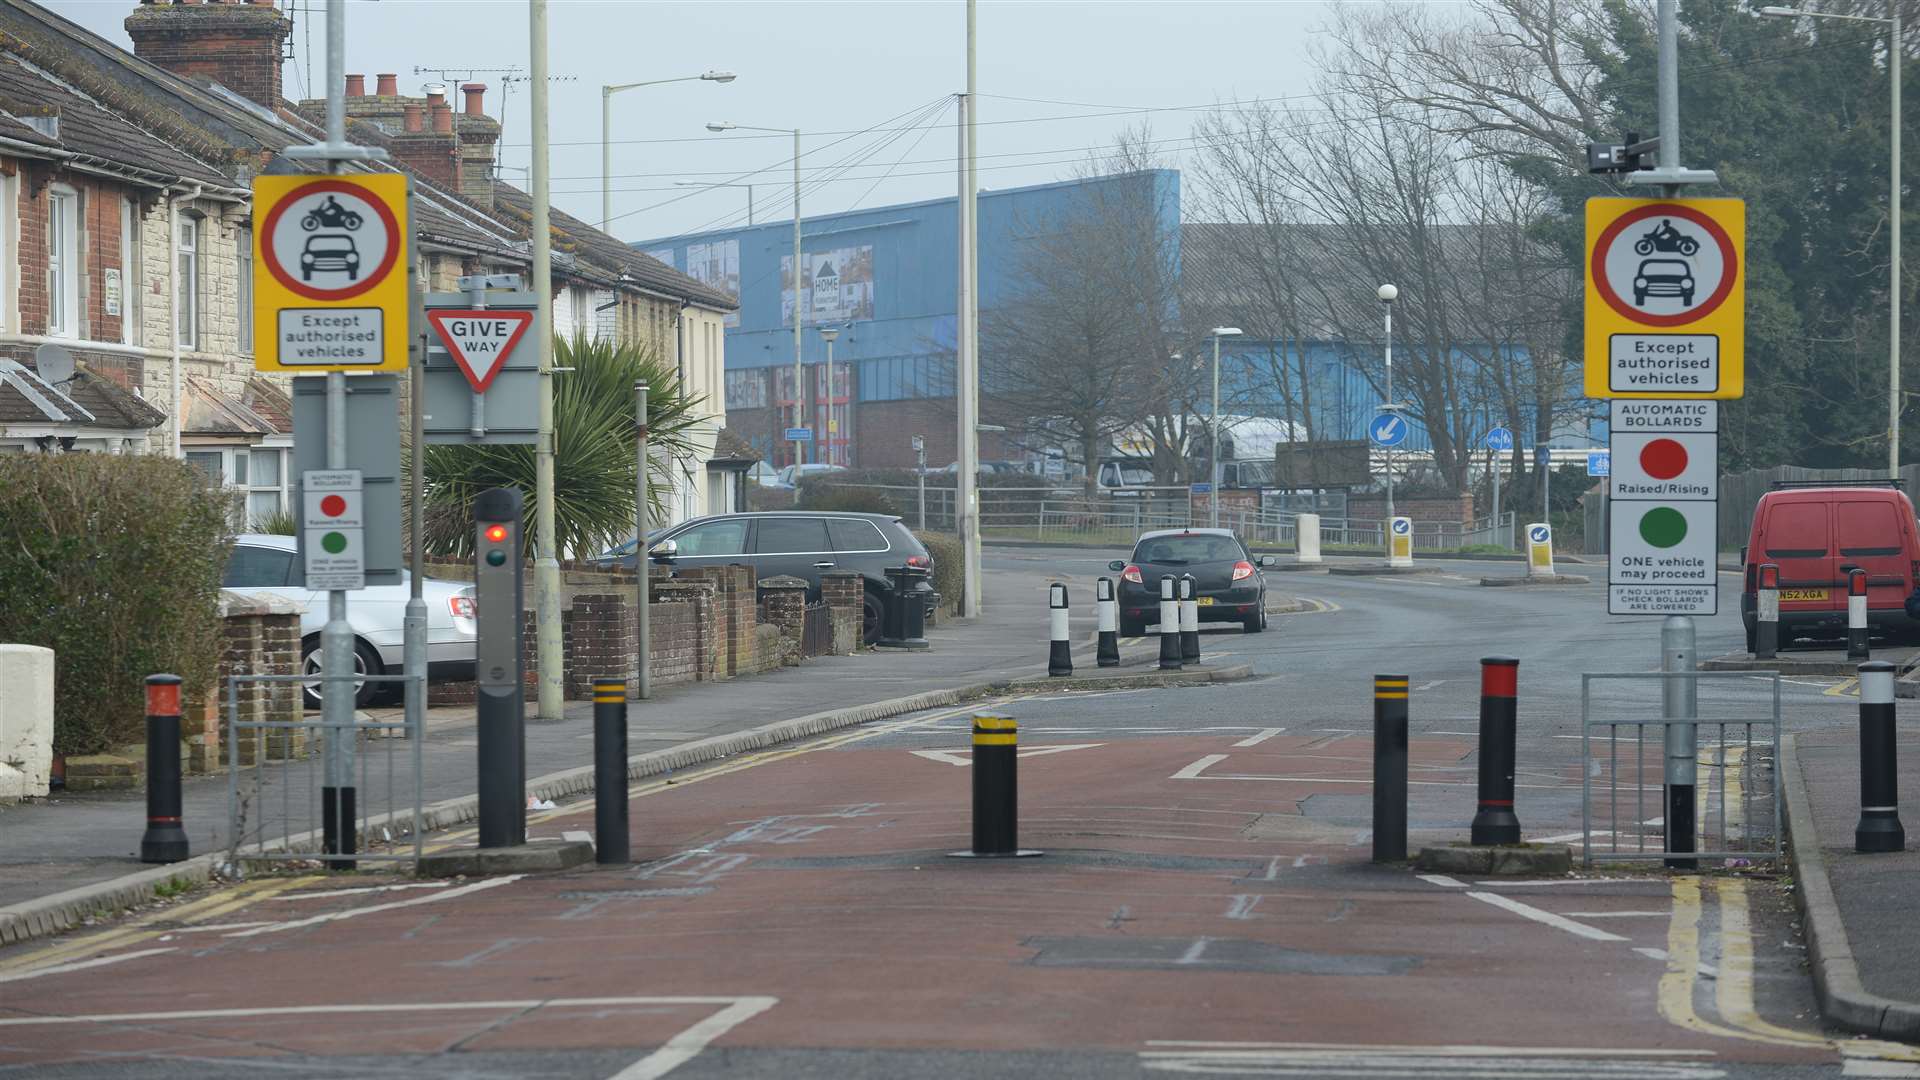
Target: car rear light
column 921, row 561
column 462, row 606
column 1131, row 573
column 1242, row 571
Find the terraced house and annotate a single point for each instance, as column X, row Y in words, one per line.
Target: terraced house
column 125, row 242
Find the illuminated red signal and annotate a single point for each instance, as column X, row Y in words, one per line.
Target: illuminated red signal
column 497, row 534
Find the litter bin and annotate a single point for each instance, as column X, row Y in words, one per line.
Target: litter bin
column 904, row 623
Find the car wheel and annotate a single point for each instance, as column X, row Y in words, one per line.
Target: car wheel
column 873, row 613
column 365, row 662
column 1255, row 623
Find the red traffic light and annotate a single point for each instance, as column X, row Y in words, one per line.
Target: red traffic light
column 497, row 534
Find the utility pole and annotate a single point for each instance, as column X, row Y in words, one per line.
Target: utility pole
column 799, row 378
column 967, row 389
column 549, row 650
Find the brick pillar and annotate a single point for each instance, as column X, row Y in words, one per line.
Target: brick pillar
column 598, row 631
column 260, row 636
column 786, row 607
column 734, row 613
column 845, row 593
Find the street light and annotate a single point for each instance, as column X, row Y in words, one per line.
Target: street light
column 828, row 333
column 799, row 401
column 707, row 184
column 606, row 131
column 1388, row 294
column 1213, row 449
column 1892, row 23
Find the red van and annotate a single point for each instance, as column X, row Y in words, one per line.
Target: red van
column 1818, row 531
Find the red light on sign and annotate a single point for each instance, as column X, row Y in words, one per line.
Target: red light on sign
column 333, row 505
column 497, row 534
column 1664, row 459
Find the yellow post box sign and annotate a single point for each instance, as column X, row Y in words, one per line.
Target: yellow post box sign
column 330, row 273
column 1666, row 298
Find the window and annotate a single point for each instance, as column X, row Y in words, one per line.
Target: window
column 129, row 272
column 1193, row 548
column 1867, row 529
column 1797, row 531
column 63, row 262
column 186, row 307
column 208, row 462
column 796, row 536
column 243, row 242
column 262, row 468
column 855, row 534
column 713, row 538
column 257, row 568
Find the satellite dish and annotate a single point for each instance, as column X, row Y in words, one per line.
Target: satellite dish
column 53, row 363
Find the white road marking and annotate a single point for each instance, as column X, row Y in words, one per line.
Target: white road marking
column 1192, row 955
column 951, row 757
column 1428, row 685
column 577, row 836
column 1302, row 860
column 1564, row 838
column 1862, row 1067
column 1469, row 734
column 1263, row 736
column 1243, row 905
column 1574, row 881
column 1546, row 918
column 1320, row 1060
column 1193, row 771
column 954, row 757
column 81, row 965
column 218, row 927
column 361, row 889
column 1273, row 869
column 335, row 916
column 1441, row 880
column 687, row 1045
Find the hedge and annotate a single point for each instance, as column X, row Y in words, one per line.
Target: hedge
column 949, row 565
column 113, row 562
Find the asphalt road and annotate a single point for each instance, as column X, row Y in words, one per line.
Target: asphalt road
column 1205, row 904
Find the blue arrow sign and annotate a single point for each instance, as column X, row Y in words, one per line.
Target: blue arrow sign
column 1388, row 429
column 1402, row 526
column 1499, row 439
column 1539, row 533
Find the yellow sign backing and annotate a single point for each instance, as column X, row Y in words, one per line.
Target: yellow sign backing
column 1666, row 298
column 330, row 273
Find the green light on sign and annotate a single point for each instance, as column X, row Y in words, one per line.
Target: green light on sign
column 334, row 543
column 1663, row 527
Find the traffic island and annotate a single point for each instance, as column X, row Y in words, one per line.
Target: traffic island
column 538, row 857
column 1377, row 570
column 1824, row 661
column 1187, row 676
column 1519, row 860
column 1535, row 579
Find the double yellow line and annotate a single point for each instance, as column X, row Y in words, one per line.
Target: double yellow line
column 147, row 927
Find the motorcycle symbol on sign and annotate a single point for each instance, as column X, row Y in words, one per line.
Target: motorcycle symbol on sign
column 1664, row 237
column 332, row 215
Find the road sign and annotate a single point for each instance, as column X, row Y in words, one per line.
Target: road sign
column 1662, row 538
column 335, row 534
column 1202, row 488
column 1539, row 549
column 1500, row 439
column 1599, row 462
column 1666, row 298
column 373, row 453
column 509, row 412
column 480, row 340
column 799, row 434
column 330, row 272
column 1388, row 429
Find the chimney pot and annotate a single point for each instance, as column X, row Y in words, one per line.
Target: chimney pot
column 416, row 116
column 436, row 99
column 442, row 118
column 475, row 92
column 356, row 86
column 389, row 85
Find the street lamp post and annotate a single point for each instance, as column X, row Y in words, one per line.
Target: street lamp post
column 606, row 131
column 826, row 426
column 1892, row 23
column 1387, row 295
column 1213, row 444
column 707, row 184
column 799, row 391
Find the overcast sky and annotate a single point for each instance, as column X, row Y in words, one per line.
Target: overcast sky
column 829, row 68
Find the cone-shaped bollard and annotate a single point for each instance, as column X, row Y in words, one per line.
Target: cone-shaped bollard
column 1169, row 626
column 1495, row 822
column 1108, row 609
column 1879, row 828
column 1189, row 621
column 1059, row 649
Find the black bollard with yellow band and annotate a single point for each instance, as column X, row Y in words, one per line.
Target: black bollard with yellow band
column 610, row 842
column 1390, row 768
column 996, row 813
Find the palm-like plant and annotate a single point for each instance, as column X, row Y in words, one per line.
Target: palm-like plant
column 593, row 468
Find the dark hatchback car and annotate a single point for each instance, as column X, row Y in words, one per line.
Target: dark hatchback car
column 800, row 543
column 1228, row 584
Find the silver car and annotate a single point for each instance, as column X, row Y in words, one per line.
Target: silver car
column 268, row 564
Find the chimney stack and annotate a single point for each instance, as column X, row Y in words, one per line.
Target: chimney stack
column 389, row 85
column 474, row 91
column 356, row 86
column 237, row 45
column 416, row 117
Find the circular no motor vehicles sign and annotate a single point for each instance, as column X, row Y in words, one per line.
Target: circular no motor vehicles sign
column 1665, row 264
column 328, row 240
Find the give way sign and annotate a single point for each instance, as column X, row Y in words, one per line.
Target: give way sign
column 480, row 341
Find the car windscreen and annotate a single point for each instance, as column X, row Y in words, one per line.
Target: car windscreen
column 1197, row 548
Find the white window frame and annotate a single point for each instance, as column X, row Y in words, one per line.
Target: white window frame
column 63, row 261
column 9, row 249
column 186, row 298
column 129, row 271
column 243, row 248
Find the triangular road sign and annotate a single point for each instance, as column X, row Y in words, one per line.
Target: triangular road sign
column 954, row 757
column 480, row 341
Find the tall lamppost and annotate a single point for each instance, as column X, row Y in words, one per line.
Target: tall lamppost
column 606, row 131
column 828, row 333
column 1892, row 23
column 707, row 184
column 1387, row 295
column 799, row 392
column 1213, row 444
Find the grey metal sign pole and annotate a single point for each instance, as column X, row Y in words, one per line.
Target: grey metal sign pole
column 413, row 625
column 642, row 517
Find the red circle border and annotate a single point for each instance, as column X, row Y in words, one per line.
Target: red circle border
column 365, row 284
column 1729, row 258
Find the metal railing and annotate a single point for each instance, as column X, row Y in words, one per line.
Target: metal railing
column 1739, row 777
column 284, row 761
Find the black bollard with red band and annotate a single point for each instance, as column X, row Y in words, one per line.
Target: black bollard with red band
column 165, row 840
column 1879, row 828
column 1857, row 614
column 1766, row 621
column 1495, row 822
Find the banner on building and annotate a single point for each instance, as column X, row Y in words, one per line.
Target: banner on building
column 715, row 265
column 836, row 286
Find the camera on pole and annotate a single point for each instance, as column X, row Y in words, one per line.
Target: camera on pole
column 1621, row 157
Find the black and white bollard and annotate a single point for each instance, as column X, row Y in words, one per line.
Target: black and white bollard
column 1059, row 649
column 165, row 840
column 996, row 801
column 1189, row 621
column 610, row 842
column 1766, row 621
column 1390, row 768
column 1495, row 822
column 1857, row 614
column 1108, row 610
column 1879, row 828
column 1169, row 626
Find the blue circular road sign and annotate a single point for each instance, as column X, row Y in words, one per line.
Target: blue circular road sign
column 1499, row 439
column 1388, row 429
column 1402, row 526
column 1539, row 533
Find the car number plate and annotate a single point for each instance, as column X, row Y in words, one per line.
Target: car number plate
column 1803, row 594
column 1203, row 601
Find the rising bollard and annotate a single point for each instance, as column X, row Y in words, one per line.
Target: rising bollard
column 1494, row 822
column 1169, row 626
column 1390, row 768
column 1857, row 614
column 1059, row 649
column 1879, row 828
column 165, row 840
column 1108, row 610
column 500, row 588
column 996, row 810
column 1766, row 614
column 1189, row 621
column 610, row 843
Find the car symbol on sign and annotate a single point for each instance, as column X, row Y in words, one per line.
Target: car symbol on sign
column 330, row 253
column 1663, row 277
